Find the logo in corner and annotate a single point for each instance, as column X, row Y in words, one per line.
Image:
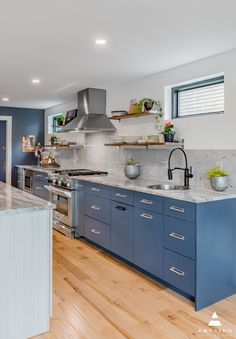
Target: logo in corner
column 214, row 322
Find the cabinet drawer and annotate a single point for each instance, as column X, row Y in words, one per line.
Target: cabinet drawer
column 97, row 208
column 148, row 241
column 40, row 176
column 179, row 236
column 122, row 195
column 149, row 202
column 122, row 230
column 79, row 184
column 179, row 271
column 97, row 232
column 97, row 189
column 40, row 191
column 179, row 209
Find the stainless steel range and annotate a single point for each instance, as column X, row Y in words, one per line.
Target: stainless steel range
column 62, row 193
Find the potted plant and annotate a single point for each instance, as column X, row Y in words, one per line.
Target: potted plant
column 60, row 120
column 218, row 178
column 169, row 132
column 132, row 169
column 147, row 104
column 53, row 140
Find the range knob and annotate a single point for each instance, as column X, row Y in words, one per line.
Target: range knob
column 59, row 182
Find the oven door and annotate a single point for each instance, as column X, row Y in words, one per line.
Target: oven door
column 63, row 199
column 28, row 181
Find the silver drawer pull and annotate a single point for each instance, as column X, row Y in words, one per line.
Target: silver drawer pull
column 146, row 216
column 78, row 185
column 94, row 207
column 95, row 231
column 176, row 271
column 95, row 189
column 176, row 236
column 147, row 202
column 39, row 188
column 177, row 209
column 120, row 195
column 39, row 175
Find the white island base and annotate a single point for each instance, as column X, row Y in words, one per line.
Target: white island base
column 25, row 261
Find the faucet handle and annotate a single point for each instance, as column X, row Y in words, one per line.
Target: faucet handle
column 190, row 175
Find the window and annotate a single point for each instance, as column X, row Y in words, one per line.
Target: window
column 201, row 97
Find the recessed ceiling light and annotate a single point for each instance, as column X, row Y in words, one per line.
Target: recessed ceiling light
column 100, row 42
column 35, row 81
column 5, row 99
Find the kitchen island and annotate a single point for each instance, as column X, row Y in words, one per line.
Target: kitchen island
column 26, row 269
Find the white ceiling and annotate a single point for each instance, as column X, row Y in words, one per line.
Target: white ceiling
column 53, row 40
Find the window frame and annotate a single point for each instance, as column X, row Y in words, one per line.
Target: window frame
column 189, row 86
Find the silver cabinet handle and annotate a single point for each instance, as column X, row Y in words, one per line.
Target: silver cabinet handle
column 39, row 175
column 95, row 189
column 147, row 202
column 78, row 185
column 146, row 216
column 94, row 207
column 38, row 188
column 177, row 209
column 176, row 271
column 95, row 231
column 120, row 195
column 177, row 236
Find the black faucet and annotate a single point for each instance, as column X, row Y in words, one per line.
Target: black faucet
column 187, row 171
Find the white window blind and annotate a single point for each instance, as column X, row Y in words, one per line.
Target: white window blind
column 207, row 99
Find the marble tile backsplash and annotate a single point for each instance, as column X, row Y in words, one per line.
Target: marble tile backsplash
column 154, row 162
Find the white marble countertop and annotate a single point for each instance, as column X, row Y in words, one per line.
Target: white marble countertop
column 39, row 169
column 195, row 195
column 12, row 199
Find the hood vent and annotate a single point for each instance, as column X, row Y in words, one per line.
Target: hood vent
column 91, row 116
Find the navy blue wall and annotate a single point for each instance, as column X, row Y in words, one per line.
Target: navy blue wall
column 25, row 121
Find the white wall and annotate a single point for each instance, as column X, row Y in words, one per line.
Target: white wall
column 206, row 132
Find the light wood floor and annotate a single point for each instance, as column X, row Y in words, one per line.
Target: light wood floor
column 96, row 296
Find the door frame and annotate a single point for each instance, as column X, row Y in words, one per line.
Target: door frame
column 8, row 120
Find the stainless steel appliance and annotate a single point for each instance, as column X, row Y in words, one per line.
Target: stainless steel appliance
column 62, row 193
column 28, row 181
column 91, row 116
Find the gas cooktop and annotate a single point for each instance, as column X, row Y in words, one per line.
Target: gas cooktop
column 80, row 171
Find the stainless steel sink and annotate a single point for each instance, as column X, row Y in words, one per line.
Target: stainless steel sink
column 168, row 187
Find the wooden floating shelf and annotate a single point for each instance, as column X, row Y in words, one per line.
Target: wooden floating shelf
column 148, row 145
column 130, row 115
column 62, row 146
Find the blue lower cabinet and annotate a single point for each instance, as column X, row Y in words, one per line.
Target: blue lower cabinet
column 79, row 212
column 122, row 230
column 97, row 232
column 148, row 241
column 39, row 190
column 180, row 209
column 179, row 271
column 180, row 236
column 97, row 208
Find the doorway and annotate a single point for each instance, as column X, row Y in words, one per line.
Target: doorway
column 5, row 149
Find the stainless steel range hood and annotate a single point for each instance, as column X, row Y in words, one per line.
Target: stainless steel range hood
column 91, row 116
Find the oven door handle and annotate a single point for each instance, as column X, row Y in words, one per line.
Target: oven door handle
column 58, row 191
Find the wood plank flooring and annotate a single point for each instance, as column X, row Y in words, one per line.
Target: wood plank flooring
column 96, row 296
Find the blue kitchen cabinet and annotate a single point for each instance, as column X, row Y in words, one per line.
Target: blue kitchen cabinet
column 40, row 179
column 190, row 246
column 148, row 241
column 122, row 230
column 79, row 203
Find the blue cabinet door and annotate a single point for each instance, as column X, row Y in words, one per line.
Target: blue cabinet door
column 79, row 212
column 122, row 230
column 148, row 241
column 2, row 150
